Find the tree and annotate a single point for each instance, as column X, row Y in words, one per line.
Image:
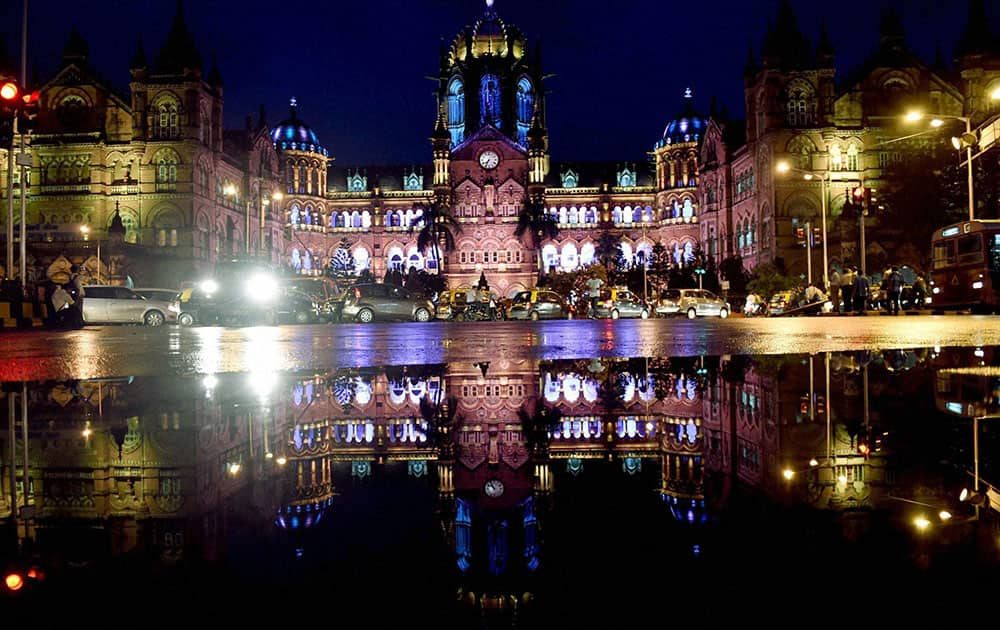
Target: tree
column 732, row 270
column 437, row 227
column 341, row 264
column 928, row 188
column 608, row 250
column 767, row 280
column 534, row 226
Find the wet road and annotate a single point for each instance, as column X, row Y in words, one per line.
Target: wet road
column 96, row 352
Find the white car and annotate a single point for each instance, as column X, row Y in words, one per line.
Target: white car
column 691, row 303
column 105, row 304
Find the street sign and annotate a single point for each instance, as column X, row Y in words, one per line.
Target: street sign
column 989, row 134
column 23, row 159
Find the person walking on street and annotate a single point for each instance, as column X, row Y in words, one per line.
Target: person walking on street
column 834, row 287
column 847, row 290
column 594, row 285
column 859, row 291
column 895, row 291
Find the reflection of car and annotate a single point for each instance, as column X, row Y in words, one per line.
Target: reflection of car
column 104, row 304
column 619, row 302
column 537, row 304
column 368, row 302
column 691, row 303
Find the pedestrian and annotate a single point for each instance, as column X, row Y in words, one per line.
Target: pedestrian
column 895, row 289
column 814, row 294
column 847, row 289
column 860, row 290
column 594, row 285
column 919, row 291
column 833, row 287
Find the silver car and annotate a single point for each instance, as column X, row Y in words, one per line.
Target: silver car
column 691, row 303
column 103, row 304
column 368, row 302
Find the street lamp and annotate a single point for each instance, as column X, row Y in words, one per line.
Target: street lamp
column 85, row 231
column 825, row 178
column 937, row 121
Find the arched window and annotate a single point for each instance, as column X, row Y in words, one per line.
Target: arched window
column 740, row 238
column 587, row 254
column 569, row 257
column 166, row 171
column 366, row 219
column 852, row 158
column 800, row 104
column 751, row 233
column 616, row 214
column 456, row 110
column 356, row 219
column 489, row 100
column 688, row 208
column 628, row 215
column 307, row 215
column 295, row 260
column 293, row 214
column 574, row 216
column 688, row 252
column 361, row 259
column 167, row 120
column 563, row 215
column 525, row 109
column 550, row 257
column 302, row 180
column 593, row 214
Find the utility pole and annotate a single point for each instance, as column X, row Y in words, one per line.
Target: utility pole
column 809, row 253
column 21, row 158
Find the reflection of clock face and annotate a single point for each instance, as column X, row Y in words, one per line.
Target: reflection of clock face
column 489, row 159
column 493, row 488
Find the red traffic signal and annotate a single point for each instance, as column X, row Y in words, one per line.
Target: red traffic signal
column 9, row 91
column 13, row 581
column 863, row 448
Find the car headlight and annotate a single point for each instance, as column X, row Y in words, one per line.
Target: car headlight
column 209, row 286
column 262, row 287
column 936, row 290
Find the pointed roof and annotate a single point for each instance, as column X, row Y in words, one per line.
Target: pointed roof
column 139, row 58
column 214, row 76
column 977, row 38
column 893, row 35
column 117, row 226
column 824, row 48
column 180, row 52
column 785, row 46
column 75, row 51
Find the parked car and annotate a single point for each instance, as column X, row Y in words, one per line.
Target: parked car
column 167, row 295
column 538, row 304
column 691, row 303
column 782, row 301
column 105, row 304
column 618, row 302
column 368, row 302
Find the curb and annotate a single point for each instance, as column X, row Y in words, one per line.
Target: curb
column 16, row 315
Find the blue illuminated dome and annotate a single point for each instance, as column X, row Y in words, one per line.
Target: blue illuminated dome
column 293, row 133
column 687, row 126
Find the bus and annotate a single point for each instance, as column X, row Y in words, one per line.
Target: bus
column 965, row 267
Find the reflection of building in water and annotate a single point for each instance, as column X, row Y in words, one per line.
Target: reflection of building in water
column 132, row 465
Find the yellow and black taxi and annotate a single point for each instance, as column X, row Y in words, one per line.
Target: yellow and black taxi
column 619, row 302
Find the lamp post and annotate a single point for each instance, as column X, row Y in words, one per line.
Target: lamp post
column 936, row 121
column 85, row 231
column 824, row 179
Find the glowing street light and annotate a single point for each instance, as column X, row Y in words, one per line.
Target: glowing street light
column 936, row 122
column 788, row 473
column 922, row 523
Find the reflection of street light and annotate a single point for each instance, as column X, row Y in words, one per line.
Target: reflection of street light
column 825, row 178
column 85, row 231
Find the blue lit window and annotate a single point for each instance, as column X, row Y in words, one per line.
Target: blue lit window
column 525, row 109
column 489, row 100
column 570, row 179
column 456, row 110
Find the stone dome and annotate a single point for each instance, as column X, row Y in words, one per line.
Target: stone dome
column 688, row 126
column 293, row 133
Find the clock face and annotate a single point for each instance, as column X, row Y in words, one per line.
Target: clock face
column 489, row 159
column 493, row 488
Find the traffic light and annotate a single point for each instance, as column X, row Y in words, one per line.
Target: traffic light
column 9, row 104
column 28, row 112
column 861, row 197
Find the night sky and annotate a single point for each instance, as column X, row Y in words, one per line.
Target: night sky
column 357, row 68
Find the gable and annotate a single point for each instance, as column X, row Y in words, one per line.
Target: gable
column 469, row 148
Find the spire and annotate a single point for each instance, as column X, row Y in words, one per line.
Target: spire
column 785, row 45
column 76, row 49
column 536, row 133
column 179, row 53
column 977, row 38
column 440, row 130
column 824, row 49
column 293, row 107
column 139, row 58
column 117, row 227
column 893, row 35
